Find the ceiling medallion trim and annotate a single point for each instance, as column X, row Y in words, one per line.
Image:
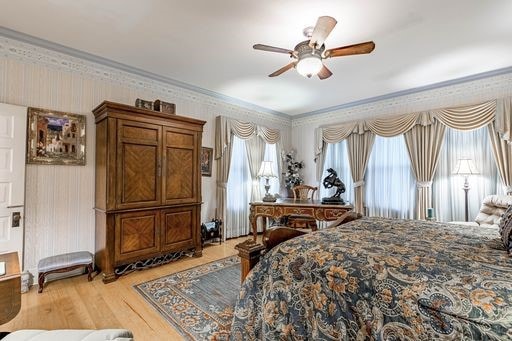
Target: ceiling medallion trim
column 46, row 56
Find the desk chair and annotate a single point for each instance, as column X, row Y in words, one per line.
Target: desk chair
column 303, row 192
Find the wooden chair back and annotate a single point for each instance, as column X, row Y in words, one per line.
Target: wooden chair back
column 304, row 192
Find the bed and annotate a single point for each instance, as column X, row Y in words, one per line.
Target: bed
column 380, row 279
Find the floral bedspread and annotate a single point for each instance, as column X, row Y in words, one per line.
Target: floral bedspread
column 380, row 279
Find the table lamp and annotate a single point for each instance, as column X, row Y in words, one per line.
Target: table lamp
column 465, row 167
column 267, row 172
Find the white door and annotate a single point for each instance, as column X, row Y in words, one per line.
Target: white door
column 13, row 127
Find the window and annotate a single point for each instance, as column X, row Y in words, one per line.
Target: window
column 238, row 192
column 447, row 193
column 390, row 185
column 336, row 157
column 239, row 187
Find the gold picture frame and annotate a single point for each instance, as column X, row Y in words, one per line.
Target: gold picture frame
column 206, row 161
column 55, row 138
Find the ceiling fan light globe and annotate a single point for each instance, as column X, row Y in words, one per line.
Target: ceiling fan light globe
column 309, row 65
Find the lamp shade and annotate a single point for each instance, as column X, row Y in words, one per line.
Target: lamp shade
column 465, row 167
column 309, row 65
column 266, row 170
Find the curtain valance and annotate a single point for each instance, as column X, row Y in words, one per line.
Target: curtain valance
column 467, row 118
column 244, row 130
column 503, row 123
column 462, row 118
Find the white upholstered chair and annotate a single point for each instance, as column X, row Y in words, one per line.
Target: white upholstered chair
column 70, row 335
column 493, row 206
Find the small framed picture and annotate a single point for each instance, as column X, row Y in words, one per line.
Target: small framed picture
column 55, row 138
column 206, row 161
column 140, row 103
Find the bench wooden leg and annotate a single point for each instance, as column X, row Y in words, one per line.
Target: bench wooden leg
column 40, row 282
column 89, row 272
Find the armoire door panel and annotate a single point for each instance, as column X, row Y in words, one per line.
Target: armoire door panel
column 178, row 226
column 139, row 173
column 179, row 179
column 137, row 233
column 179, row 139
column 180, row 166
column 140, row 133
column 138, row 165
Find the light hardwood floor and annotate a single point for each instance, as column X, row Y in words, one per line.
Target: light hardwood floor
column 75, row 303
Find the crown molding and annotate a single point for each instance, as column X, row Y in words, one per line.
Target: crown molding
column 471, row 89
column 31, row 49
column 463, row 91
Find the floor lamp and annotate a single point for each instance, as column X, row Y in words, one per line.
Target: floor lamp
column 465, row 167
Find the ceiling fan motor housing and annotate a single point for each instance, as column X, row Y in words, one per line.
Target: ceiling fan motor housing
column 303, row 49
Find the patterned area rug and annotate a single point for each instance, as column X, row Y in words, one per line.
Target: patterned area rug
column 198, row 302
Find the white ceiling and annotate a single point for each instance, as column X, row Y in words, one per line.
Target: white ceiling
column 208, row 44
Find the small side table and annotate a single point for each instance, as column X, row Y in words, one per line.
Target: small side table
column 10, row 287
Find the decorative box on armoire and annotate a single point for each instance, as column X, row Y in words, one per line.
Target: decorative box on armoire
column 148, row 187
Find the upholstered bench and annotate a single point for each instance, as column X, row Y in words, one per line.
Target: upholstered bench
column 64, row 263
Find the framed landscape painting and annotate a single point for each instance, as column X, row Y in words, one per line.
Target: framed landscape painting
column 55, row 138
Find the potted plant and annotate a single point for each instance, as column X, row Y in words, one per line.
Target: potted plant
column 292, row 169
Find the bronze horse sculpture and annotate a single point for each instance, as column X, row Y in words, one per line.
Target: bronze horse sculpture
column 330, row 181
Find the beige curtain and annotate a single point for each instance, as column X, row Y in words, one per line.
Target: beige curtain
column 320, row 150
column 462, row 118
column 359, row 148
column 255, row 147
column 424, row 144
column 398, row 125
column 223, row 148
column 467, row 118
column 224, row 129
column 502, row 151
column 504, row 118
column 271, row 136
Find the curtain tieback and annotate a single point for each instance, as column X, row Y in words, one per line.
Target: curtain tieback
column 358, row 184
column 423, row 184
column 222, row 184
column 508, row 190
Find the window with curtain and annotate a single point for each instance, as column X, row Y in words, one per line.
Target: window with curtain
column 336, row 157
column 239, row 187
column 238, row 192
column 447, row 193
column 390, row 185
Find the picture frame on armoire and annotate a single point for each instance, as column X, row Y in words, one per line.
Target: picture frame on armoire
column 55, row 138
column 206, row 161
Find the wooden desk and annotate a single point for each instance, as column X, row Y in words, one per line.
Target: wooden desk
column 10, row 287
column 284, row 207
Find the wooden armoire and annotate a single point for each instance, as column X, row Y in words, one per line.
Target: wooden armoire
column 148, row 186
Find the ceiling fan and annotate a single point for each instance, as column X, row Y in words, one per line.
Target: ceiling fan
column 308, row 55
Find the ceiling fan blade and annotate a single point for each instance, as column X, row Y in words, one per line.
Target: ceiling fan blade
column 283, row 69
column 361, row 48
column 271, row 48
column 324, row 73
column 324, row 26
